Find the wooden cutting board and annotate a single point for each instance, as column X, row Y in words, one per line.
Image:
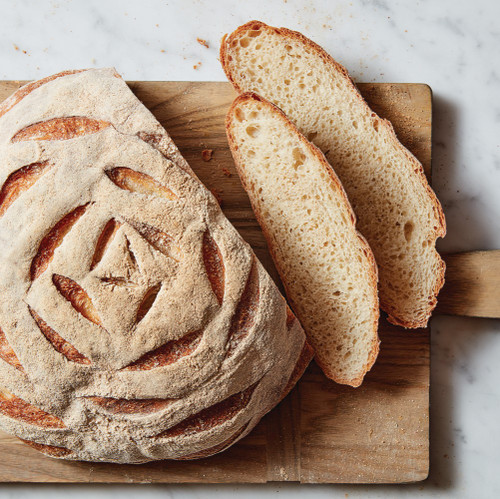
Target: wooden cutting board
column 322, row 432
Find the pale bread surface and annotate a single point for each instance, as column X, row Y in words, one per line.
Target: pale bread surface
column 327, row 267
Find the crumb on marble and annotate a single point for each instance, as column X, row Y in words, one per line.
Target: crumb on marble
column 207, row 154
column 15, row 46
column 197, row 66
column 162, row 51
column 203, row 42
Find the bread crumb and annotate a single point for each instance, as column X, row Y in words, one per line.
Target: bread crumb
column 207, row 154
column 196, row 66
column 15, row 46
column 217, row 194
column 226, row 172
column 203, row 42
column 162, row 51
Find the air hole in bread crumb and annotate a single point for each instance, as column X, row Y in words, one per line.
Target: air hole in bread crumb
column 355, row 124
column 254, row 33
column 252, row 130
column 408, row 230
column 244, row 42
column 311, row 136
column 239, row 115
column 375, row 125
column 298, row 158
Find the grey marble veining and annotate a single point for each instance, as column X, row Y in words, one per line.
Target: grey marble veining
column 453, row 46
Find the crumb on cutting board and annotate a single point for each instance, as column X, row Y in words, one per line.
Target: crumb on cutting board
column 226, row 172
column 203, row 42
column 207, row 154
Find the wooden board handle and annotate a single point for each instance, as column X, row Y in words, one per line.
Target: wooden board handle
column 472, row 285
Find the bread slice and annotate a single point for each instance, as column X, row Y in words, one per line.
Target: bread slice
column 397, row 211
column 327, row 267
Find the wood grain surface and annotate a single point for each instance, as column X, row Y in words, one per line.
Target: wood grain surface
column 322, row 432
column 472, row 286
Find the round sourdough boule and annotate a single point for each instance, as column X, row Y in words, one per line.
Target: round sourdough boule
column 135, row 323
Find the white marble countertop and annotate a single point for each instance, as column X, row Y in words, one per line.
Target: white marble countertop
column 453, row 46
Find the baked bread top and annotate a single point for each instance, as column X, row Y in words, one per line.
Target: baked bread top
column 136, row 324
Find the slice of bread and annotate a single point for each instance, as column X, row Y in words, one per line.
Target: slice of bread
column 326, row 266
column 397, row 211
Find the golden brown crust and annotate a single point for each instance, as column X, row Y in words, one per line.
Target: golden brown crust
column 439, row 231
column 212, row 416
column 129, row 406
column 214, row 266
column 17, row 408
column 7, row 353
column 60, row 129
column 50, row 450
column 59, row 343
column 249, row 96
column 52, row 240
column 216, row 448
column 306, row 355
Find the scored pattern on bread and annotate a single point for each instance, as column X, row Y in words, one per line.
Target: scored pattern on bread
column 20, row 181
column 50, row 450
column 52, row 240
column 147, row 302
column 327, row 268
column 59, row 343
column 129, row 406
column 133, row 181
column 216, row 448
column 244, row 316
column 121, row 234
column 398, row 213
column 306, row 355
column 77, row 296
column 168, row 353
column 211, row 416
column 15, row 98
column 60, row 129
column 17, row 408
column 161, row 241
column 214, row 266
column 7, row 352
column 107, row 235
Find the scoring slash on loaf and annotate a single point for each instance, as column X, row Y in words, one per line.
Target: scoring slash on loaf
column 327, row 267
column 135, row 323
column 397, row 211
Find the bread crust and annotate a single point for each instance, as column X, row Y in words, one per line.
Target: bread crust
column 375, row 342
column 439, row 231
column 120, row 330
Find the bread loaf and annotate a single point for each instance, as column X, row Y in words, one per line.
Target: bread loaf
column 326, row 266
column 397, row 211
column 135, row 323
